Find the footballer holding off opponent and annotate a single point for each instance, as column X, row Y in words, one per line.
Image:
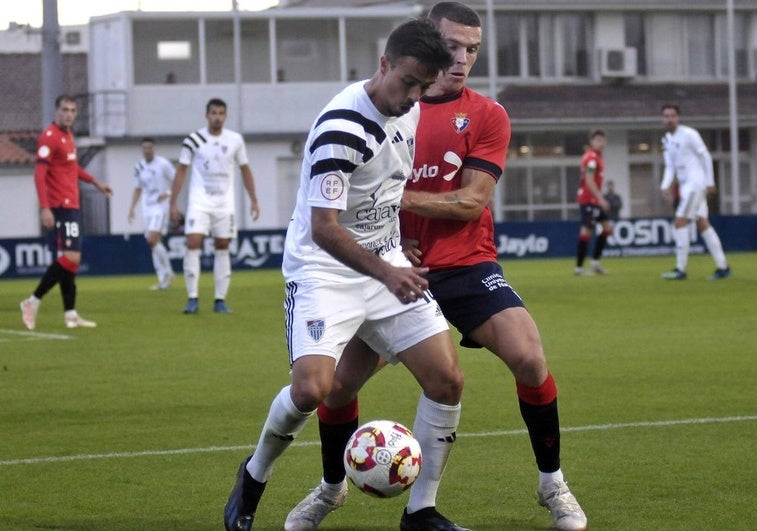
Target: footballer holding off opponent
column 346, row 274
column 211, row 152
column 56, row 176
column 461, row 150
column 594, row 207
column 153, row 176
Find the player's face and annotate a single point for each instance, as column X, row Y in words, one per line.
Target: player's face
column 65, row 114
column 463, row 43
column 148, row 151
column 402, row 85
column 216, row 118
column 670, row 119
column 598, row 143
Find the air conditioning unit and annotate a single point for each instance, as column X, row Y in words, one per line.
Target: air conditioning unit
column 617, row 62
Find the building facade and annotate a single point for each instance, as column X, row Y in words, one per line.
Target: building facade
column 560, row 68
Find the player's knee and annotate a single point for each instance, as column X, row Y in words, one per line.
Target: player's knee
column 446, row 388
column 308, row 395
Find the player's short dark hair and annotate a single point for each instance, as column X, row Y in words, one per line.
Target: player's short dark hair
column 215, row 102
column 673, row 106
column 597, row 132
column 149, row 139
column 64, row 97
column 454, row 12
column 421, row 40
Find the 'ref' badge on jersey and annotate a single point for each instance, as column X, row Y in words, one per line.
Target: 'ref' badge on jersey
column 316, row 328
column 460, row 121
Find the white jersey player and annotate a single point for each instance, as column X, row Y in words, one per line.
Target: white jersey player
column 153, row 177
column 688, row 161
column 212, row 153
column 347, row 277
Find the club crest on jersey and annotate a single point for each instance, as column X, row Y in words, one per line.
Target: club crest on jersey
column 315, row 328
column 460, row 121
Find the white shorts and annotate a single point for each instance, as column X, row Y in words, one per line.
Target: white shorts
column 693, row 204
column 321, row 318
column 155, row 219
column 218, row 224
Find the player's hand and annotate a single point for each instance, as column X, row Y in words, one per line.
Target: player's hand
column 164, row 196
column 105, row 189
column 407, row 283
column 411, row 251
column 130, row 217
column 667, row 194
column 47, row 218
column 712, row 190
column 175, row 214
column 604, row 205
column 254, row 210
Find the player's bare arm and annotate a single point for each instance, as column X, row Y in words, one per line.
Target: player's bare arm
column 405, row 283
column 178, row 182
column 249, row 185
column 465, row 204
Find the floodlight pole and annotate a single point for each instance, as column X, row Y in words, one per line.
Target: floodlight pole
column 52, row 66
column 732, row 108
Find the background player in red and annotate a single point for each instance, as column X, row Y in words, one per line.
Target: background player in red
column 594, row 207
column 57, row 175
column 460, row 154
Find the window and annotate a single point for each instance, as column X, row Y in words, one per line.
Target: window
column 256, row 51
column 166, row 51
column 636, row 38
column 740, row 44
column 308, row 50
column 700, row 31
column 219, row 51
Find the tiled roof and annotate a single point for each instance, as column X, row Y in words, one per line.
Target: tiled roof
column 17, row 148
column 625, row 103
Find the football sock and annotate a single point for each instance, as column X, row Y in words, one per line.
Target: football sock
column 681, row 237
column 599, row 245
column 546, row 477
column 538, row 407
column 583, row 245
column 192, row 272
column 712, row 241
column 161, row 262
column 283, row 424
column 68, row 289
column 49, row 279
column 434, row 428
column 222, row 272
column 336, row 426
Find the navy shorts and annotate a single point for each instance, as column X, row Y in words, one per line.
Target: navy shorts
column 470, row 295
column 591, row 214
column 66, row 236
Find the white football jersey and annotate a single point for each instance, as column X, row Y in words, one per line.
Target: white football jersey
column 212, row 159
column 687, row 159
column 153, row 178
column 356, row 161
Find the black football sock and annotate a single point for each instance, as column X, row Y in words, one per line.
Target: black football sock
column 51, row 277
column 599, row 246
column 581, row 250
column 68, row 290
column 336, row 426
column 544, row 431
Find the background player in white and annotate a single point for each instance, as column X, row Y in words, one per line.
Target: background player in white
column 346, row 274
column 690, row 163
column 153, row 176
column 212, row 152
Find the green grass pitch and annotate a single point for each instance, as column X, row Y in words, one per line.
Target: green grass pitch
column 140, row 424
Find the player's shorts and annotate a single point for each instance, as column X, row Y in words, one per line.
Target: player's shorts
column 66, row 236
column 693, row 204
column 321, row 317
column 156, row 219
column 218, row 224
column 470, row 295
column 591, row 214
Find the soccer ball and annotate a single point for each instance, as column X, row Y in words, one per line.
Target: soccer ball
column 382, row 458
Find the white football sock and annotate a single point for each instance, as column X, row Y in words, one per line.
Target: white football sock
column 222, row 272
column 283, row 424
column 434, row 428
column 161, row 262
column 681, row 237
column 712, row 241
column 546, row 477
column 192, row 272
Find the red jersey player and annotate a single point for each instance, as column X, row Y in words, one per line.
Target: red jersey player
column 594, row 207
column 461, row 145
column 56, row 176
